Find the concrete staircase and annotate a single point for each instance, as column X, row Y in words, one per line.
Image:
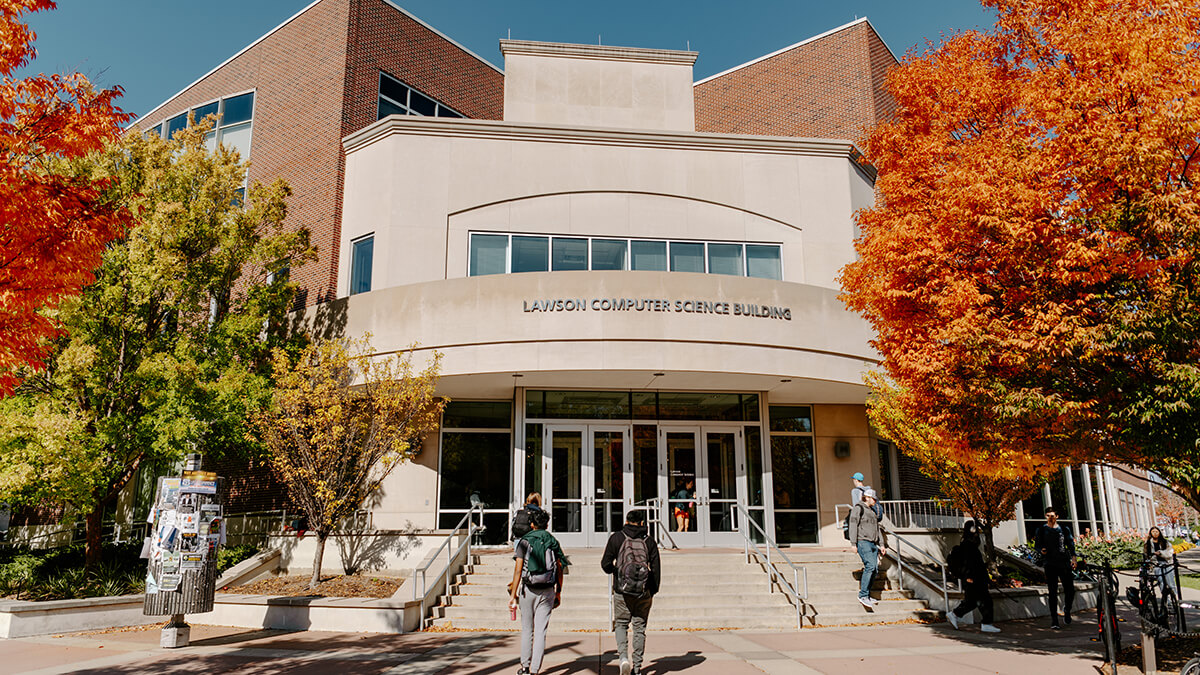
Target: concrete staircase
column 705, row 589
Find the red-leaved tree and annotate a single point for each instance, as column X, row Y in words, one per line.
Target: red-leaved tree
column 1032, row 267
column 53, row 227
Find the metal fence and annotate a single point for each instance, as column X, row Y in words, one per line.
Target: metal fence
column 923, row 514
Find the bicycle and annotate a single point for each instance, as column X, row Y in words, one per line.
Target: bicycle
column 1192, row 667
column 1106, row 612
column 1163, row 611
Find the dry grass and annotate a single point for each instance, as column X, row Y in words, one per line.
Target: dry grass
column 340, row 586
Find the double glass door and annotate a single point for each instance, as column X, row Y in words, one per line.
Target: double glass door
column 704, row 478
column 588, row 481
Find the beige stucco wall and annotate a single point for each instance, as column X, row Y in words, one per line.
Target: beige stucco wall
column 420, row 184
column 833, row 423
column 599, row 86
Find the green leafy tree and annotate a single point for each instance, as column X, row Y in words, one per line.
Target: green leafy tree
column 342, row 419
column 169, row 350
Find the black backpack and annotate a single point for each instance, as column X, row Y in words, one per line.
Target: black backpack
column 633, row 567
column 956, row 562
column 522, row 523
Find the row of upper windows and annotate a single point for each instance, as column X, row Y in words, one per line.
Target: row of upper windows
column 233, row 128
column 397, row 98
column 490, row 255
column 508, row 253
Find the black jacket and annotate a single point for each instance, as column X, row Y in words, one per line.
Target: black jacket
column 970, row 564
column 1059, row 544
column 609, row 561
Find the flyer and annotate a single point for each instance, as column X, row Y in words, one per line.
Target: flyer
column 168, row 491
column 165, row 537
column 190, row 543
column 170, row 562
column 151, row 584
column 192, row 561
column 188, row 523
column 199, row 482
column 170, row 582
column 214, row 540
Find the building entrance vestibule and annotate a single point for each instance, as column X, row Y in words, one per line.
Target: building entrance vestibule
column 592, row 474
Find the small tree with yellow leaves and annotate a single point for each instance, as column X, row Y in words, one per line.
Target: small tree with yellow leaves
column 342, row 419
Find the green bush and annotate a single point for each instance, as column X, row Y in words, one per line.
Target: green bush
column 1122, row 550
column 229, row 556
column 59, row 574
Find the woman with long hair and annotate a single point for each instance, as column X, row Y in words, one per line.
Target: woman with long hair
column 1161, row 553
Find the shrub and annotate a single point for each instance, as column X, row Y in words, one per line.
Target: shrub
column 1122, row 550
column 229, row 556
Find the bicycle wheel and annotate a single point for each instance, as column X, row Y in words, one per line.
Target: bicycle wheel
column 1170, row 609
column 1191, row 667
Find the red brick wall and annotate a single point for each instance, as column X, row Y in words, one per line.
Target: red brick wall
column 316, row 80
column 297, row 74
column 827, row 88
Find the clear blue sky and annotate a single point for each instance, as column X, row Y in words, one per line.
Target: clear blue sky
column 154, row 48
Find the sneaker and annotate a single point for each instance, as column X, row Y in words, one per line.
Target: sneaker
column 874, row 601
column 1055, row 626
column 522, row 671
column 950, row 616
column 988, row 628
column 1067, row 619
column 626, row 667
column 866, row 602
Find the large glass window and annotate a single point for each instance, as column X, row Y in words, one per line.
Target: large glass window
column 530, row 254
column 649, row 255
column 608, row 254
column 489, row 254
column 642, row 405
column 232, row 129
column 397, row 98
column 238, row 109
column 476, row 469
column 763, row 262
column 725, row 259
column 362, row 254
column 687, row 256
column 791, row 418
column 477, row 415
column 569, row 254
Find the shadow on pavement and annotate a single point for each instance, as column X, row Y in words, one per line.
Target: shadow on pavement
column 673, row 664
column 1034, row 636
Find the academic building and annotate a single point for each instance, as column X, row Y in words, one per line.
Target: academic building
column 631, row 275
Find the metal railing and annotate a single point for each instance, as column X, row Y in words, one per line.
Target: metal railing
column 654, row 521
column 897, row 553
column 791, row 588
column 471, row 527
column 926, row 514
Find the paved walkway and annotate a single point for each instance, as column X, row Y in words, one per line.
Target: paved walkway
column 1024, row 648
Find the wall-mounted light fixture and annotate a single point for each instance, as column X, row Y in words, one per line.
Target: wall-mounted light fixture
column 841, row 449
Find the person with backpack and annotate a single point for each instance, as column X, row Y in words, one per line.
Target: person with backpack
column 522, row 521
column 966, row 564
column 1057, row 546
column 631, row 556
column 536, row 588
column 869, row 539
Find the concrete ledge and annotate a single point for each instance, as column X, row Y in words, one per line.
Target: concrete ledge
column 21, row 618
column 251, row 569
column 372, row 615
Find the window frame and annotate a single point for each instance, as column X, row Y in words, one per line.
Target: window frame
column 405, row 105
column 371, row 273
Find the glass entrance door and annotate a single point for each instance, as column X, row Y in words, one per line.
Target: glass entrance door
column 705, row 473
column 587, row 470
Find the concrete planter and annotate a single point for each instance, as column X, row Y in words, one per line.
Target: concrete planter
column 21, row 618
column 383, row 615
column 1009, row 603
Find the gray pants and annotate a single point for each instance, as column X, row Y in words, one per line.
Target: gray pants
column 535, row 617
column 629, row 610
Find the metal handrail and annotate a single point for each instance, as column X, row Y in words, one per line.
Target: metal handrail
column 653, row 509
column 471, row 528
column 791, row 588
column 896, row 554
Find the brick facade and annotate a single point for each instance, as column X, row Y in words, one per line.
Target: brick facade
column 828, row 87
column 315, row 81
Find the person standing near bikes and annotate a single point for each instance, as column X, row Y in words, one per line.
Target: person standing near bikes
column 1161, row 553
column 1057, row 546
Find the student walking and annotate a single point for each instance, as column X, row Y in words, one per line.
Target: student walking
column 535, row 588
column 522, row 521
column 631, row 556
column 871, row 542
column 857, row 491
column 966, row 563
column 1057, row 546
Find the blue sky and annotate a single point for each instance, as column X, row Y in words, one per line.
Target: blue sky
column 154, row 48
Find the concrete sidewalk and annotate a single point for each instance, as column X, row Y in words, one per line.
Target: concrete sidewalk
column 1024, row 648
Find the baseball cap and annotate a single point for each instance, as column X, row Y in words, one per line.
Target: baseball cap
column 858, row 476
column 870, row 493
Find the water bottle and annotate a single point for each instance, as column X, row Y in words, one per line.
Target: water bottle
column 513, row 611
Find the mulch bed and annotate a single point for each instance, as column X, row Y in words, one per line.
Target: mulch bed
column 1171, row 653
column 340, row 586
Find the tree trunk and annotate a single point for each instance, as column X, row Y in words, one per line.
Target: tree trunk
column 94, row 522
column 316, row 577
column 989, row 545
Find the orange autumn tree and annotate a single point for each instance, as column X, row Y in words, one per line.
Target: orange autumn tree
column 53, row 227
column 1030, row 266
